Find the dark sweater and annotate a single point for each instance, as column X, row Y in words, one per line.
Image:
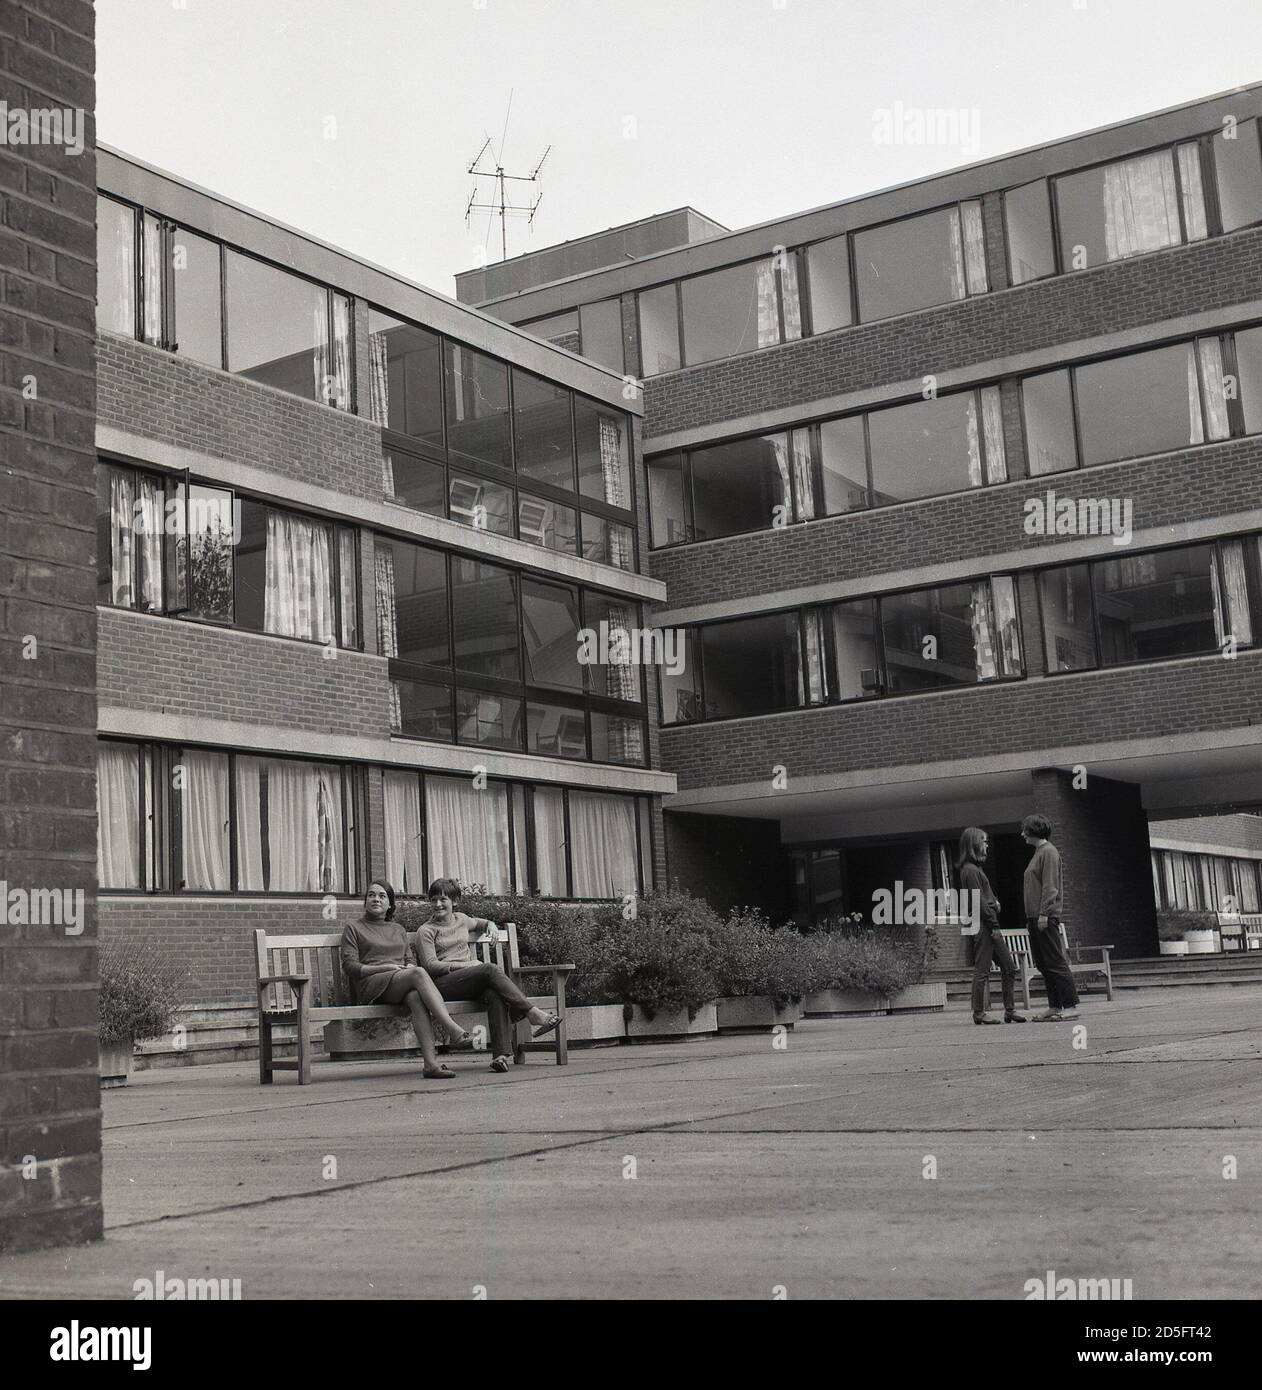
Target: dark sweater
column 973, row 880
column 1042, row 882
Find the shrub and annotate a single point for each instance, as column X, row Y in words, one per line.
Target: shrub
column 661, row 959
column 862, row 961
column 753, row 957
column 1172, row 922
column 139, row 994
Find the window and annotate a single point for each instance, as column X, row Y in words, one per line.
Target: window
column 206, row 554
column 955, row 635
column 412, row 603
column 682, row 701
column 1248, row 344
column 921, row 261
column 415, row 482
column 828, row 274
column 118, row 814
column 550, row 623
column 476, row 389
column 285, row 575
column 659, row 330
column 855, row 671
column 115, row 267
column 614, row 675
column 668, row 509
column 560, row 329
column 551, row 525
column 131, row 551
column 483, row 505
column 406, row 388
column 843, row 462
column 205, row 822
column 607, row 542
column 556, row 731
column 1068, row 618
column 286, row 331
column 1127, row 208
column 602, row 843
column 1028, row 222
column 601, row 333
column 1238, row 167
column 738, row 486
column 1047, row 402
column 750, row 666
column 291, row 827
column 544, row 430
column 484, row 618
column 468, row 833
column 424, row 710
column 738, row 309
column 943, row 445
column 197, row 295
column 488, row 720
column 604, row 450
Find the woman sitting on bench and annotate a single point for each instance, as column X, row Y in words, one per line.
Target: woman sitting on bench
column 377, row 956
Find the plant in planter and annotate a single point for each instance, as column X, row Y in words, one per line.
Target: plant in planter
column 762, row 971
column 857, row 972
column 139, row 994
column 1184, row 931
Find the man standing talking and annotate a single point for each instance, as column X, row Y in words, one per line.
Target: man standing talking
column 1043, row 906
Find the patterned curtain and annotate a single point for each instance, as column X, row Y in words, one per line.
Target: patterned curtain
column 387, row 632
column 379, row 382
column 298, row 597
column 1232, row 618
column 321, row 356
column 122, row 536
column 992, row 430
column 613, row 468
column 1193, row 193
column 982, row 613
column 791, row 299
column 976, row 277
column 803, row 475
column 1141, row 211
column 768, row 305
column 342, row 351
column 974, row 444
column 1213, row 389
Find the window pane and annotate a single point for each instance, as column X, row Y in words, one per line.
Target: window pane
column 490, row 721
column 910, row 265
column 730, row 311
column 608, row 542
column 250, row 570
column 1141, row 404
column 666, row 500
column 659, row 330
column 290, row 831
column 484, row 506
column 412, row 602
column 681, row 681
column 204, row 821
column 856, row 669
column 467, row 832
column 828, row 267
column 617, row 739
column 1157, row 605
column 284, row 575
column 1119, row 210
column 1249, row 372
column 205, row 557
column 543, row 429
column 405, row 388
column 556, row 731
column 404, row 832
column 934, row 638
column 1028, row 218
column 604, row 448
column 278, row 329
column 1049, row 423
column 348, row 597
column 549, row 617
column 618, row 677
column 115, row 267
column 547, row 524
column 118, row 814
column 925, row 448
column 561, row 329
column 738, row 486
column 1068, row 628
column 152, row 290
column 1239, row 172
column 424, row 710
column 477, row 406
column 415, row 482
column 751, row 665
column 484, row 618
column 549, row 808
column 602, row 333
column 602, row 845
column 198, row 312
column 843, row 459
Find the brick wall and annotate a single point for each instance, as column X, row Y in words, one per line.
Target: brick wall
column 1230, row 832
column 730, row 862
column 49, row 1086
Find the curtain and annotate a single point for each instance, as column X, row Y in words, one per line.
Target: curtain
column 1232, row 619
column 974, row 444
column 387, row 630
column 136, row 528
column 467, row 832
column 959, row 282
column 122, row 536
column 347, row 572
column 768, row 305
column 1140, row 208
column 118, row 814
column 304, row 827
column 379, row 381
column 1193, row 193
column 403, row 832
column 790, row 298
column 150, row 522
column 602, row 844
column 298, row 600
column 550, row 842
column 992, row 431
column 780, row 447
column 1213, row 390
column 342, row 351
column 1003, row 590
column 978, row 281
column 152, row 280
column 982, row 615
column 249, row 825
column 204, row 821
column 803, row 475
column 812, row 688
column 613, row 469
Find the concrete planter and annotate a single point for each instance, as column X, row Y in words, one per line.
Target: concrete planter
column 590, row 1023
column 754, row 1013
column 833, row 1003
column 115, row 1063
column 1201, row 943
column 916, row 999
column 1172, row 948
column 376, row 1039
column 672, row 1023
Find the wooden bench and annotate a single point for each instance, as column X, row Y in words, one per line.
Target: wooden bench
column 1018, row 939
column 1240, row 931
column 300, row 984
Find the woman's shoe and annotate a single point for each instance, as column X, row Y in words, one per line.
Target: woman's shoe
column 442, row 1073
column 984, row 1018
column 499, row 1064
column 464, row 1043
column 546, row 1026
column 1014, row 1018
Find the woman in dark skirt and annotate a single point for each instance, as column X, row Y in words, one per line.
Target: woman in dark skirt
column 377, row 956
column 988, row 944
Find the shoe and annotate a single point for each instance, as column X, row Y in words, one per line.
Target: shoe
column 1051, row 1016
column 442, row 1074
column 464, row 1043
column 1014, row 1018
column 553, row 1020
column 1066, row 1017
column 499, row 1064
column 984, row 1018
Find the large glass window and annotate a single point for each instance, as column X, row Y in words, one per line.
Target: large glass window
column 955, row 635
column 1238, row 166
column 1047, row 402
column 604, row 452
column 544, row 430
column 206, row 554
column 415, row 482
column 1028, row 221
column 550, row 623
column 602, row 844
column 682, row 701
column 195, row 273
column 843, row 464
column 828, row 274
column 284, row 575
column 468, row 833
column 731, row 311
column 601, row 333
column 405, row 388
column 283, row 331
column 477, row 405
column 1068, row 618
column 484, row 618
column 659, row 330
column 115, row 267
column 412, row 603
column 750, row 666
column 738, row 486
column 614, row 675
column 291, row 826
column 921, row 261
column 205, row 822
column 941, row 445
column 668, row 502
column 855, row 671
column 549, row 524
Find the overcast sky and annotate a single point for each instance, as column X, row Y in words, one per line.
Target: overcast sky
column 355, row 119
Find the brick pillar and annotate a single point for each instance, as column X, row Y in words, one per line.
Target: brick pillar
column 730, row 862
column 50, row 1142
column 1102, row 834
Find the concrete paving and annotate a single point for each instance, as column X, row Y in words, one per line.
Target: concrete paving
column 753, row 1167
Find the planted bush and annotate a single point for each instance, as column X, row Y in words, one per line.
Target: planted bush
column 663, row 958
column 1173, row 922
column 139, row 994
column 861, row 961
column 753, row 957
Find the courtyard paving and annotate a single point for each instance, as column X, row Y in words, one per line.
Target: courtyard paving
column 711, row 1169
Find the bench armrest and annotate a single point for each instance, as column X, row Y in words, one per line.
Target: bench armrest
column 284, row 980
column 1078, row 950
column 542, row 969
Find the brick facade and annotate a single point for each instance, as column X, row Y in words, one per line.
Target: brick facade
column 50, row 1165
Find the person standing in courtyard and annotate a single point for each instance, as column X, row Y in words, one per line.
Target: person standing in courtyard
column 988, row 945
column 444, row 947
column 1043, row 906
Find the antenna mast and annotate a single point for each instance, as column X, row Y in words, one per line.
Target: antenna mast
column 502, row 206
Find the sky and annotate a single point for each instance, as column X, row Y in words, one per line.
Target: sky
column 356, row 120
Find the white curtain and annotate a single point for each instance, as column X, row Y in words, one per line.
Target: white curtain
column 1232, row 619
column 347, row 571
column 1141, row 211
column 602, row 844
column 768, row 308
column 304, row 827
column 974, row 444
column 992, row 430
column 122, row 536
column 1193, row 193
column 792, row 301
column 811, row 685
column 978, row 281
column 150, row 521
column 204, row 821
column 249, row 825
column 550, row 842
column 387, row 631
column 1212, row 389
column 403, row 831
column 298, row 600
column 136, row 526
column 118, row 814
column 342, row 351
column 803, row 474
column 467, row 832
column 379, row 381
column 982, row 613
column 152, row 280
column 1007, row 628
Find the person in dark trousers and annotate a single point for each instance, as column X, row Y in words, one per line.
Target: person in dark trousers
column 988, row 945
column 1043, row 906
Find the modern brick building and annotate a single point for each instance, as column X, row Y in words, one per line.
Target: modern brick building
column 349, row 535
column 957, row 491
